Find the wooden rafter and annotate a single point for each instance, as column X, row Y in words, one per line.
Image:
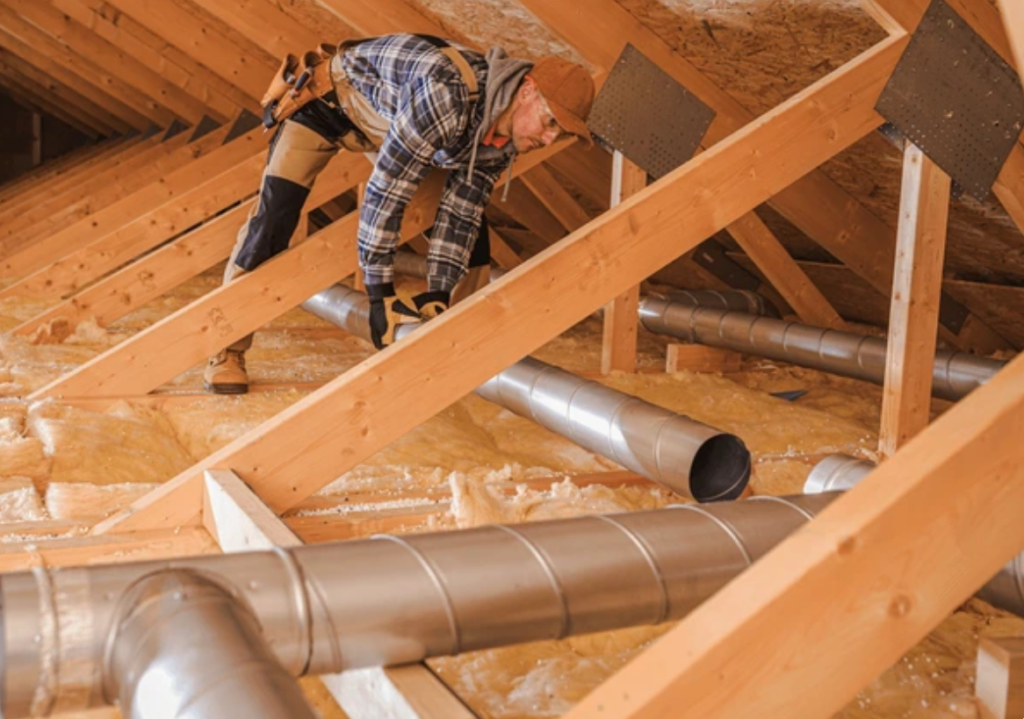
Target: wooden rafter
column 111, row 111
column 302, row 449
column 119, row 217
column 37, row 24
column 159, row 272
column 207, row 45
column 1013, row 23
column 815, row 204
column 28, row 94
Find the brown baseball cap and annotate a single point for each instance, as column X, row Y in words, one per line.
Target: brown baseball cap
column 569, row 92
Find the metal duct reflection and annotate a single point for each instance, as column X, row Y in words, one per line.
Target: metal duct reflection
column 955, row 373
column 840, row 472
column 387, row 600
column 178, row 624
column 688, row 457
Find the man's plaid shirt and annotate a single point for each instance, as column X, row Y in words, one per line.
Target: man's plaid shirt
column 433, row 124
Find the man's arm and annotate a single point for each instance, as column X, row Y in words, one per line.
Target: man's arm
column 430, row 115
column 457, row 225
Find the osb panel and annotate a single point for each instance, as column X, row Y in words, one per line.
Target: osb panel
column 506, row 23
column 760, row 51
column 983, row 243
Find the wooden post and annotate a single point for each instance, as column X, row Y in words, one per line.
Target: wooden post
column 241, row 522
column 1013, row 21
column 621, row 319
column 1000, row 684
column 914, row 317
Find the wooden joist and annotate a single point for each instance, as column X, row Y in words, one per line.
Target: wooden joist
column 914, row 314
column 241, row 522
column 207, row 45
column 35, row 47
column 209, row 195
column 52, row 171
column 120, row 215
column 159, row 272
column 72, row 187
column 555, row 198
column 28, row 93
column 267, row 25
column 302, row 449
column 108, row 183
column 144, row 48
column 161, row 352
column 160, row 94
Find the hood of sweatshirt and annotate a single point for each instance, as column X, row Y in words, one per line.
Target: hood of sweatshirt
column 504, row 75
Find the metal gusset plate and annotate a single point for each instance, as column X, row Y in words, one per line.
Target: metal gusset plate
column 955, row 98
column 642, row 112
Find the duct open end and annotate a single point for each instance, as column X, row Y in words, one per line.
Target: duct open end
column 720, row 470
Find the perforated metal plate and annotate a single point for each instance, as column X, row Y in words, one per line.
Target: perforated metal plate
column 955, row 98
column 647, row 116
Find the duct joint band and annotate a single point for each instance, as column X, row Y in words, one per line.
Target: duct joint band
column 449, row 610
column 645, row 551
column 303, row 611
column 779, row 500
column 722, row 524
column 563, row 602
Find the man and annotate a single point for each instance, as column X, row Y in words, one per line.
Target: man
column 419, row 103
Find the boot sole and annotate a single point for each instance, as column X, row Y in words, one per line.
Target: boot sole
column 226, row 388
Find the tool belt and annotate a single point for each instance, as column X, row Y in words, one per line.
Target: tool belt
column 301, row 80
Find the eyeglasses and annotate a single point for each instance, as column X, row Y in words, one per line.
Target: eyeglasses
column 548, row 120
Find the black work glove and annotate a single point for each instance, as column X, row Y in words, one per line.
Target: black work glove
column 387, row 312
column 430, row 304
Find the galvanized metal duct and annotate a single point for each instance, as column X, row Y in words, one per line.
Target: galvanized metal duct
column 738, row 300
column 840, row 472
column 690, row 458
column 387, row 600
column 955, row 373
column 179, row 625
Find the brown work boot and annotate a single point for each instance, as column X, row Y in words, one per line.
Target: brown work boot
column 225, row 373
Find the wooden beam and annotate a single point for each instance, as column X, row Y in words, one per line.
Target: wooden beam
column 698, row 358
column 267, row 25
column 144, row 362
column 303, row 448
column 129, row 209
column 815, row 204
column 106, row 184
column 784, row 274
column 555, row 198
column 1013, row 24
column 502, row 254
column 914, row 316
column 621, row 315
column 54, row 172
column 138, row 76
column 207, row 45
column 84, row 551
column 35, row 21
column 28, row 94
column 241, row 522
column 984, row 18
column 370, row 18
column 71, row 104
column 894, row 556
column 210, row 194
column 1000, row 683
column 159, row 272
column 221, row 100
column 34, row 46
column 72, row 188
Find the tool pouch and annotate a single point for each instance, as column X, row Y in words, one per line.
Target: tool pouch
column 299, row 81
